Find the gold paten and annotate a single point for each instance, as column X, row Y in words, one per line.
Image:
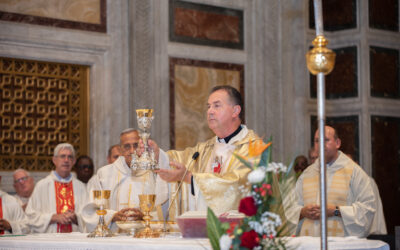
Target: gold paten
column 320, row 59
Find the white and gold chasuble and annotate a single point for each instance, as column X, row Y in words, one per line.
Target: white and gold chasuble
column 220, row 191
column 348, row 187
column 125, row 188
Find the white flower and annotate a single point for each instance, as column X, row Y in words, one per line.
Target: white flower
column 225, row 242
column 276, row 167
column 256, row 226
column 270, row 221
column 257, row 175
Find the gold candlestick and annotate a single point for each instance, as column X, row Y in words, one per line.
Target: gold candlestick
column 147, row 202
column 101, row 198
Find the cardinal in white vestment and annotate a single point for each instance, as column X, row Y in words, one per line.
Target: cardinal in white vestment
column 125, row 186
column 57, row 200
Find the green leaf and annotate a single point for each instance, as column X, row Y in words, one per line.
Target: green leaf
column 243, row 160
column 266, row 155
column 214, row 229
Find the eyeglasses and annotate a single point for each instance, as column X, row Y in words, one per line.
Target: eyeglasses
column 22, row 179
column 63, row 157
column 128, row 146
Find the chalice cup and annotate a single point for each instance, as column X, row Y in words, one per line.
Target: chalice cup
column 147, row 160
column 146, row 203
column 101, row 198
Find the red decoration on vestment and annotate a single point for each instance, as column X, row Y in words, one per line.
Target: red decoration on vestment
column 65, row 202
column 217, row 169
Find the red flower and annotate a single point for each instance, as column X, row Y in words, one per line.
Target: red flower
column 249, row 239
column 247, row 206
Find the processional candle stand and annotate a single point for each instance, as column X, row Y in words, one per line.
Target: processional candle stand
column 320, row 62
column 146, row 163
column 101, row 198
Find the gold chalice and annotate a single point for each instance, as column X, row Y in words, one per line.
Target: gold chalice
column 101, row 198
column 146, row 203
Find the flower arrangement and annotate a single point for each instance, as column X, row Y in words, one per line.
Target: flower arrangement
column 262, row 226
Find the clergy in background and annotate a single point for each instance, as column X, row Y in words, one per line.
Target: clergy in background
column 125, row 186
column 12, row 218
column 23, row 185
column 216, row 179
column 57, row 200
column 351, row 203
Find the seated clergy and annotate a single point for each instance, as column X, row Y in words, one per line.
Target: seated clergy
column 57, row 200
column 23, row 184
column 350, row 198
column 125, row 185
column 12, row 218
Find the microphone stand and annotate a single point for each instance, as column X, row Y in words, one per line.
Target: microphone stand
column 194, row 157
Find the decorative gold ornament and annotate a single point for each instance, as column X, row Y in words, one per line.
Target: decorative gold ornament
column 320, row 59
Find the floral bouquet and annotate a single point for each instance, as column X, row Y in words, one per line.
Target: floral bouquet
column 261, row 227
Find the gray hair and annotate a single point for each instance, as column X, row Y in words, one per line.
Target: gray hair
column 127, row 131
column 64, row 146
column 23, row 170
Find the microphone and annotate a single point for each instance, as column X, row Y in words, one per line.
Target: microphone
column 194, row 158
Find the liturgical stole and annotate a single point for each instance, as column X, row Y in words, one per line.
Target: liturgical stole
column 337, row 195
column 1, row 214
column 65, row 202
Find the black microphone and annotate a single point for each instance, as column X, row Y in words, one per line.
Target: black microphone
column 194, row 158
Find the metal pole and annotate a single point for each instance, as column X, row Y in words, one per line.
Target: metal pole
column 321, row 124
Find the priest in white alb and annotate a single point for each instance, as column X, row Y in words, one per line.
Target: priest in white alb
column 57, row 200
column 126, row 185
column 12, row 218
column 351, row 204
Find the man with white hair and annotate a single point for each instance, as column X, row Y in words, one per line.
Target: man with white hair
column 12, row 218
column 23, row 185
column 57, row 200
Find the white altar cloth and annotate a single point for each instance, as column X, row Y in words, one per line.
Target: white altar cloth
column 173, row 241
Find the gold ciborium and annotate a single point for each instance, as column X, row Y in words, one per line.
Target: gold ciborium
column 146, row 202
column 101, row 198
column 146, row 161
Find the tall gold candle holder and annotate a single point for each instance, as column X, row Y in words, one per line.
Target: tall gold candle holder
column 101, row 198
column 146, row 202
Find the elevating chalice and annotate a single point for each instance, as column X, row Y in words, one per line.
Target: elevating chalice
column 147, row 160
column 101, row 198
column 146, row 203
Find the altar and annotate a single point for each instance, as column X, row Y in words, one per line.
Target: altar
column 170, row 241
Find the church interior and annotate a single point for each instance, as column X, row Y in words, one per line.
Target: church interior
column 76, row 70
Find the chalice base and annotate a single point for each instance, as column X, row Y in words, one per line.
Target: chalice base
column 147, row 232
column 100, row 231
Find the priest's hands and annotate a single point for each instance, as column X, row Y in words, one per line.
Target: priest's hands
column 175, row 173
column 65, row 218
column 152, row 144
column 127, row 214
column 5, row 225
column 313, row 211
